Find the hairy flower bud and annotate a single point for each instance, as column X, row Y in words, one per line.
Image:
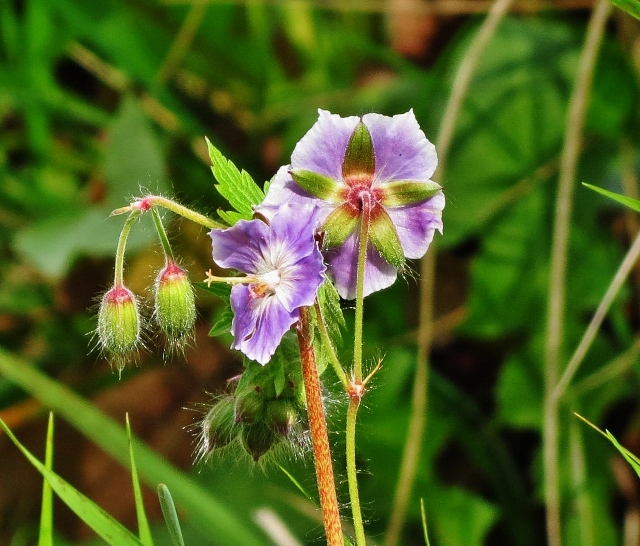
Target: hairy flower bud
column 119, row 324
column 257, row 439
column 175, row 309
column 249, row 407
column 281, row 415
column 218, row 426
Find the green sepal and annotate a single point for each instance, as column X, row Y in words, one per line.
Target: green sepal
column 383, row 235
column 318, row 185
column 407, row 192
column 359, row 159
column 339, row 225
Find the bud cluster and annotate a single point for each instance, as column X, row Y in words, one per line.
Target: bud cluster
column 256, row 416
column 120, row 325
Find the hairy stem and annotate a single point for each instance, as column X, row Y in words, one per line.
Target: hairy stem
column 143, row 204
column 418, row 419
column 319, row 434
column 120, row 250
column 326, row 341
column 558, row 269
column 356, row 388
column 362, row 263
column 352, row 476
column 162, row 235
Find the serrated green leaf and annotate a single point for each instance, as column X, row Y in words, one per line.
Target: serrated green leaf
column 222, row 326
column 144, row 531
column 230, row 217
column 633, row 204
column 220, row 289
column 94, row 516
column 237, row 187
column 170, row 515
column 45, row 534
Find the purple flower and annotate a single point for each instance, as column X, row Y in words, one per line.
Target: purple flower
column 375, row 169
column 284, row 270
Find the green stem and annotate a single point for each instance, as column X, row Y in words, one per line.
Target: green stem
column 352, row 476
column 326, row 341
column 143, row 204
column 362, row 262
column 122, row 244
column 162, row 234
column 356, row 388
column 319, row 434
column 418, row 419
column 558, row 269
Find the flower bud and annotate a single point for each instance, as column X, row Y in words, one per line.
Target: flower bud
column 218, row 426
column 175, row 309
column 249, row 407
column 257, row 439
column 119, row 324
column 281, row 416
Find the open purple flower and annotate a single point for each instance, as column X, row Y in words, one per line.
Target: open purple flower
column 283, row 268
column 375, row 169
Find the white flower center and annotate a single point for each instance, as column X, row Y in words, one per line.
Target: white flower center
column 265, row 284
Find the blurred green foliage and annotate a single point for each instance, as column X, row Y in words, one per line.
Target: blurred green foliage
column 100, row 101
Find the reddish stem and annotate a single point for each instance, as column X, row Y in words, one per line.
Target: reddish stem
column 319, row 435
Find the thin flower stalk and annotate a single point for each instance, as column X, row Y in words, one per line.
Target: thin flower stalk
column 558, row 269
column 162, row 235
column 356, row 390
column 418, row 419
column 319, row 434
column 328, row 346
column 120, row 250
column 143, row 204
column 352, row 472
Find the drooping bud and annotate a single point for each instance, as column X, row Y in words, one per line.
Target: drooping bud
column 249, row 407
column 175, row 309
column 257, row 439
column 119, row 325
column 218, row 426
column 281, row 416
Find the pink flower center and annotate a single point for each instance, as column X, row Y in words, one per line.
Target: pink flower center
column 355, row 195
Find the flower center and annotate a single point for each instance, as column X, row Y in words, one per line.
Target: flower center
column 356, row 193
column 265, row 284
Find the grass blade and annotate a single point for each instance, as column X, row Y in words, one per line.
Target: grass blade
column 633, row 204
column 170, row 515
column 94, row 516
column 632, row 7
column 209, row 514
column 144, row 531
column 423, row 517
column 45, row 535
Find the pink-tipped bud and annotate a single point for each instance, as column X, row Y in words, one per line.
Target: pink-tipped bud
column 175, row 308
column 119, row 325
